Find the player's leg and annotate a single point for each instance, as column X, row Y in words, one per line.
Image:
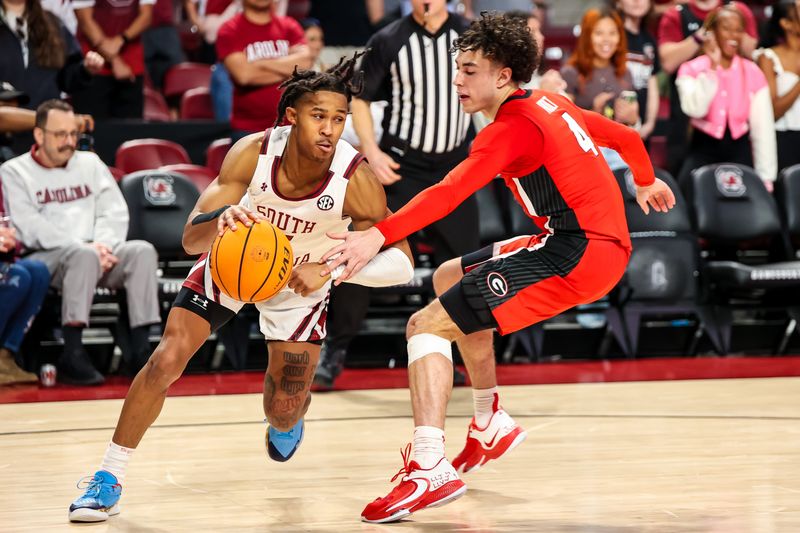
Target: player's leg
column 189, row 324
column 287, row 395
column 429, row 479
column 492, row 432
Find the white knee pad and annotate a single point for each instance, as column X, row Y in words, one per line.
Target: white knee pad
column 424, row 344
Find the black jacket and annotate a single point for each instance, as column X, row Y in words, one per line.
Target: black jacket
column 41, row 83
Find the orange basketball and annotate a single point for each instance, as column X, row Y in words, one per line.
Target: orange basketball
column 251, row 264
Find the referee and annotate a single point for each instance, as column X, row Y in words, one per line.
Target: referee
column 425, row 134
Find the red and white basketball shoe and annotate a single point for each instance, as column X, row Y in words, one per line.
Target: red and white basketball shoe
column 500, row 436
column 418, row 489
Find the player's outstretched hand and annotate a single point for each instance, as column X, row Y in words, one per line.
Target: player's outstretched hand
column 355, row 252
column 234, row 214
column 658, row 196
column 307, row 278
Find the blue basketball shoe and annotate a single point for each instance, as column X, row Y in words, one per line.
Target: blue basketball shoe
column 281, row 445
column 100, row 500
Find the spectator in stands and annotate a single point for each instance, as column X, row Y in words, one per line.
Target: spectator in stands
column 680, row 38
column 162, row 44
column 551, row 80
column 781, row 66
column 727, row 97
column 642, row 61
column 113, row 28
column 207, row 16
column 68, row 211
column 597, row 72
column 23, row 286
column 315, row 39
column 260, row 50
column 64, row 11
column 40, row 56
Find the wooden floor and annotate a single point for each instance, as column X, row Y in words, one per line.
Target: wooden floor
column 718, row 456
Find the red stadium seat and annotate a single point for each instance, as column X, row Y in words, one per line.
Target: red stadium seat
column 196, row 104
column 144, row 154
column 185, row 76
column 155, row 107
column 216, row 152
column 117, row 173
column 200, row 175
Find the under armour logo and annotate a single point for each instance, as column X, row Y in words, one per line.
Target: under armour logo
column 199, row 301
column 264, row 186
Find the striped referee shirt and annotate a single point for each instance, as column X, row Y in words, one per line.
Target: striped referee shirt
column 413, row 71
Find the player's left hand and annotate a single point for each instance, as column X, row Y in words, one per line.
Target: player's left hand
column 658, row 196
column 355, row 252
column 307, row 278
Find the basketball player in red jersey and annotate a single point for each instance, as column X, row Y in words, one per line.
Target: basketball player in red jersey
column 544, row 148
column 308, row 182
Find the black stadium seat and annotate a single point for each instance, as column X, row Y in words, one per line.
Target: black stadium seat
column 661, row 277
column 749, row 264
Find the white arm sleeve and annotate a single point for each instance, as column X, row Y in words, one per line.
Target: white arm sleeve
column 388, row 268
column 697, row 93
column 762, row 135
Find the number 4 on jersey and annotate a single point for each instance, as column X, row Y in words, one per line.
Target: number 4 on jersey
column 584, row 141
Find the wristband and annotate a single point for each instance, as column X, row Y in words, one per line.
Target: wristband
column 125, row 39
column 208, row 217
column 699, row 40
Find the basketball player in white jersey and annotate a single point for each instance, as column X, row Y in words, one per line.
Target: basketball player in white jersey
column 307, row 182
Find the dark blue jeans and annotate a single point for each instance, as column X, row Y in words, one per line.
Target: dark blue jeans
column 22, row 291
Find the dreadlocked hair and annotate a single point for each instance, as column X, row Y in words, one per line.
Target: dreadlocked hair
column 342, row 78
column 504, row 40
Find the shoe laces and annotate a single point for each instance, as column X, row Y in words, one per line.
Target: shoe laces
column 406, row 454
column 92, row 485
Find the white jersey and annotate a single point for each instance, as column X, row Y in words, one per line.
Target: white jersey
column 305, row 221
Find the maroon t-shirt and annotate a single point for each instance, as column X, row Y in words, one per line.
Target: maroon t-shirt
column 163, row 14
column 114, row 17
column 255, row 107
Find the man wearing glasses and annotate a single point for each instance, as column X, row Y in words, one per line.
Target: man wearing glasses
column 70, row 214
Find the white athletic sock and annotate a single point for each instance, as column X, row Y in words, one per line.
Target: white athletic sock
column 116, row 460
column 428, row 445
column 486, row 402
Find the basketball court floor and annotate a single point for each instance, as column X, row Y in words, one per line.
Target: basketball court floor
column 718, row 456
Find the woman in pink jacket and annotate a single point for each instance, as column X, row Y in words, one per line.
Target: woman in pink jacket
column 728, row 100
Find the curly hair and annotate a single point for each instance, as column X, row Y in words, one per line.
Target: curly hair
column 504, row 40
column 583, row 56
column 341, row 78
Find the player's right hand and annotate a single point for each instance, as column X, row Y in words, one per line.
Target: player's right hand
column 237, row 213
column 658, row 195
column 383, row 166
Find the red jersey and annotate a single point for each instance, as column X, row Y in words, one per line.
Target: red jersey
column 114, row 17
column 255, row 107
column 544, row 148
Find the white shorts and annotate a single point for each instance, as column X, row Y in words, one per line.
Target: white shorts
column 287, row 316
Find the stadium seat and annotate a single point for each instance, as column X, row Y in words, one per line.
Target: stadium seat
column 662, row 275
column 216, row 152
column 155, row 107
column 201, row 176
column 748, row 263
column 144, row 154
column 117, row 173
column 787, row 193
column 184, row 76
column 196, row 104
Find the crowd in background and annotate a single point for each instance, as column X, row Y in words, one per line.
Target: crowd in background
column 728, row 72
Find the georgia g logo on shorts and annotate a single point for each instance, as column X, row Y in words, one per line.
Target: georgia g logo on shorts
column 497, row 284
